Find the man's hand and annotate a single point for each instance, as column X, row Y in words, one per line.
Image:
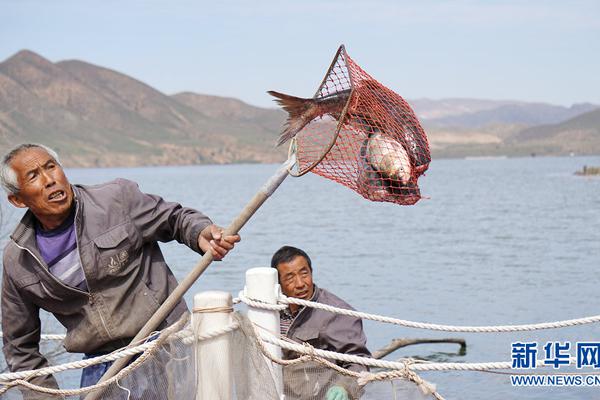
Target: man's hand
column 336, row 393
column 211, row 239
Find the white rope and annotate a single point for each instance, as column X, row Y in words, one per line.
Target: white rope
column 259, row 304
column 396, row 365
column 186, row 335
column 419, row 325
column 390, row 320
column 48, row 336
column 76, row 364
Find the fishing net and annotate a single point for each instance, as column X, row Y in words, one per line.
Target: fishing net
column 366, row 137
column 175, row 369
column 179, row 367
column 311, row 381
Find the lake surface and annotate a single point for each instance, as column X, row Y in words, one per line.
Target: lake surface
column 498, row 241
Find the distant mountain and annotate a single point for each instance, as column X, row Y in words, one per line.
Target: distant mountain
column 252, row 121
column 99, row 117
column 518, row 113
column 579, row 135
column 95, row 116
column 428, row 109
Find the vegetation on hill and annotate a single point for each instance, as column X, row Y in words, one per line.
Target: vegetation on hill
column 95, row 116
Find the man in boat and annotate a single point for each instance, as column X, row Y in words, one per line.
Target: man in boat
column 90, row 256
column 321, row 329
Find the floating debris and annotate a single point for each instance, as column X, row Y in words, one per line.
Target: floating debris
column 588, row 171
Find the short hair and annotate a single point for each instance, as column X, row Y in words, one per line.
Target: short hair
column 287, row 254
column 8, row 176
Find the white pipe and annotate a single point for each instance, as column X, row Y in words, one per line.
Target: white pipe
column 214, row 363
column 262, row 284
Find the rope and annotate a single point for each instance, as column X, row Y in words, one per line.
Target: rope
column 47, row 336
column 419, row 325
column 285, row 301
column 121, row 374
column 259, row 304
column 187, row 337
column 362, row 377
column 394, row 365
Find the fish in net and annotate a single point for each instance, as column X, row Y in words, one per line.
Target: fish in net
column 359, row 133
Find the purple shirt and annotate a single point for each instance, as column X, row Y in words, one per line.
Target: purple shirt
column 58, row 248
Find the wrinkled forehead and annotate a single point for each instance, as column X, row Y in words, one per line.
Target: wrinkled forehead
column 30, row 159
column 297, row 264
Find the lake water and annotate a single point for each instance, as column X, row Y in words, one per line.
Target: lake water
column 498, row 241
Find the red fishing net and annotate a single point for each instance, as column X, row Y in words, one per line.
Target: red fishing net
column 361, row 134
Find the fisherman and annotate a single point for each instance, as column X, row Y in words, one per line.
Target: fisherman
column 320, row 329
column 90, row 256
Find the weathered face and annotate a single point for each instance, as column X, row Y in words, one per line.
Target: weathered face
column 44, row 188
column 295, row 278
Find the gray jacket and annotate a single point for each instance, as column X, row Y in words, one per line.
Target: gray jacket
column 328, row 331
column 117, row 229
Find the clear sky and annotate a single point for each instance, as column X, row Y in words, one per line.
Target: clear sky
column 533, row 50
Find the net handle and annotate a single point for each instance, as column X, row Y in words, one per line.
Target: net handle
column 165, row 309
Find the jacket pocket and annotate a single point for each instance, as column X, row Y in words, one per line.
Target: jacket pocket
column 115, row 251
column 26, row 280
column 310, row 336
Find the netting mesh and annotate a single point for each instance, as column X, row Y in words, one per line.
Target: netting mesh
column 359, row 133
column 176, row 368
column 179, row 368
column 312, row 381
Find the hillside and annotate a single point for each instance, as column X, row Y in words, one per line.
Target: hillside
column 99, row 117
column 580, row 135
column 520, row 114
column 95, row 116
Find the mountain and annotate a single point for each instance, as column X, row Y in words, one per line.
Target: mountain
column 428, row 109
column 99, row 117
column 95, row 116
column 579, row 135
column 518, row 113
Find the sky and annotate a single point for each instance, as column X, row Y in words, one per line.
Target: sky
column 541, row 51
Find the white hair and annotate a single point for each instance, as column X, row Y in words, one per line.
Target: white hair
column 8, row 176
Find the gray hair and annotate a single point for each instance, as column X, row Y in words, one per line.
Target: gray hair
column 8, row 176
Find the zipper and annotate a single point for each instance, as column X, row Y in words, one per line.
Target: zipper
column 52, row 276
column 88, row 294
column 302, row 310
column 78, row 253
column 91, row 296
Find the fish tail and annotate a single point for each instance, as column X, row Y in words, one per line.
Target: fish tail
column 297, row 108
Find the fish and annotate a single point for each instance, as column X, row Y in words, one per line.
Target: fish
column 399, row 124
column 389, row 158
column 394, row 153
column 301, row 111
column 386, row 169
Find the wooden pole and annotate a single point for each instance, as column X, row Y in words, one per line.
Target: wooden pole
column 161, row 314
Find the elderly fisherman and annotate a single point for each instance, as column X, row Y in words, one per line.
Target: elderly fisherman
column 90, row 256
column 321, row 329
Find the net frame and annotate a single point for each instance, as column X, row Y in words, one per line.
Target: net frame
column 377, row 148
column 292, row 151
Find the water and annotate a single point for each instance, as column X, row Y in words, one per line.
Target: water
column 499, row 241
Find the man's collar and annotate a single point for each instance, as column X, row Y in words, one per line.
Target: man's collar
column 24, row 233
column 288, row 312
